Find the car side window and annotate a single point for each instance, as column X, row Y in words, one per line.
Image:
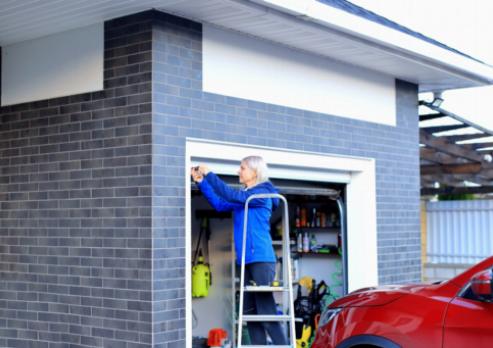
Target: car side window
column 467, row 293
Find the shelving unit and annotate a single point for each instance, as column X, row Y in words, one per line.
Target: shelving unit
column 327, row 236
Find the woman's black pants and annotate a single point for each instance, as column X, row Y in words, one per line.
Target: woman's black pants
column 262, row 273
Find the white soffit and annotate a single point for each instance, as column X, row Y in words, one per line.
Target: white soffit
column 302, row 24
column 53, row 66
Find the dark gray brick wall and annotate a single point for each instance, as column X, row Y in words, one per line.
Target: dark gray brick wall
column 181, row 109
column 176, row 80
column 75, row 208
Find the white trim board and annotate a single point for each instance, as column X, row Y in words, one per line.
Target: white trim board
column 248, row 68
column 360, row 194
column 53, row 66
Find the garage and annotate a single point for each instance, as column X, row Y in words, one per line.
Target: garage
column 98, row 225
column 312, row 189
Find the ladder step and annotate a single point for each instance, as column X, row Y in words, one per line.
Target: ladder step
column 265, row 288
column 266, row 317
column 296, row 320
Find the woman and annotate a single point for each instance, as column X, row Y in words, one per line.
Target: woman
column 260, row 259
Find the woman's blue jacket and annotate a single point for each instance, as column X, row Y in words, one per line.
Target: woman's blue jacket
column 224, row 198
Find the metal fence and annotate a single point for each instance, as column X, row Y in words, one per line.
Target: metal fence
column 459, row 232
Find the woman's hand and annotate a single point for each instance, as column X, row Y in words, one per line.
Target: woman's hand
column 196, row 174
column 203, row 169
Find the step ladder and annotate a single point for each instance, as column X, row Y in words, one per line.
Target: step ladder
column 286, row 286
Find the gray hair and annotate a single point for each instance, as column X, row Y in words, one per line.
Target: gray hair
column 257, row 164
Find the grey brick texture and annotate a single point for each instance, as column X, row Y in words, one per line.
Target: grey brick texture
column 181, row 109
column 92, row 228
column 75, row 217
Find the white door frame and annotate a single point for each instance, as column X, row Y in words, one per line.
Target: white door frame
column 358, row 173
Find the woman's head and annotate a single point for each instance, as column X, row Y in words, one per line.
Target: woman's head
column 253, row 170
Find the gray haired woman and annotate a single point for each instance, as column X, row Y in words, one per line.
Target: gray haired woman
column 260, row 259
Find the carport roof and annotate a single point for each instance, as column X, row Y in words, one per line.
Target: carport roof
column 335, row 29
column 455, row 154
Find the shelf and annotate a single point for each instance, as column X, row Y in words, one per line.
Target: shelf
column 334, row 251
column 319, row 229
column 325, row 254
column 279, row 242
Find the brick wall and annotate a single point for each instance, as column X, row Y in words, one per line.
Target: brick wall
column 175, row 80
column 181, row 109
column 75, row 199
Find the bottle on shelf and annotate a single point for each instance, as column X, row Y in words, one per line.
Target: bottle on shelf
column 303, row 217
column 313, row 242
column 306, row 243
column 314, row 218
column 332, row 220
column 299, row 242
column 323, row 219
column 297, row 217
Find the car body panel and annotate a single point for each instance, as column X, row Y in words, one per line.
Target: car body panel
column 468, row 323
column 416, row 316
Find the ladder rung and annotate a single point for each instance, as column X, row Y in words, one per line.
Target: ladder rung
column 266, row 317
column 296, row 320
column 265, row 288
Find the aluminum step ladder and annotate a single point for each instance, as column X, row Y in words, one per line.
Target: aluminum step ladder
column 286, row 287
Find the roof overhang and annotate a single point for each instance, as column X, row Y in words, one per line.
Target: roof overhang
column 306, row 25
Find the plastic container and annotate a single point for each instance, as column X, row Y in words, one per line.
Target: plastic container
column 217, row 337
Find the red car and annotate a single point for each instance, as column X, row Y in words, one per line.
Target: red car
column 457, row 313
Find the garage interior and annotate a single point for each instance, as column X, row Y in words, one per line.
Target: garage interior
column 317, row 235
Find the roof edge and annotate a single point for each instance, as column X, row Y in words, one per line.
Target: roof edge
column 387, row 39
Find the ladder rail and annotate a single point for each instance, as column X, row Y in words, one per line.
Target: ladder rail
column 287, row 276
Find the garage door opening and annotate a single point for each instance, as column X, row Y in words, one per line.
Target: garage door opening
column 305, row 179
column 316, row 244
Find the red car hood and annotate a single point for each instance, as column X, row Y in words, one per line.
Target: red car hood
column 377, row 296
